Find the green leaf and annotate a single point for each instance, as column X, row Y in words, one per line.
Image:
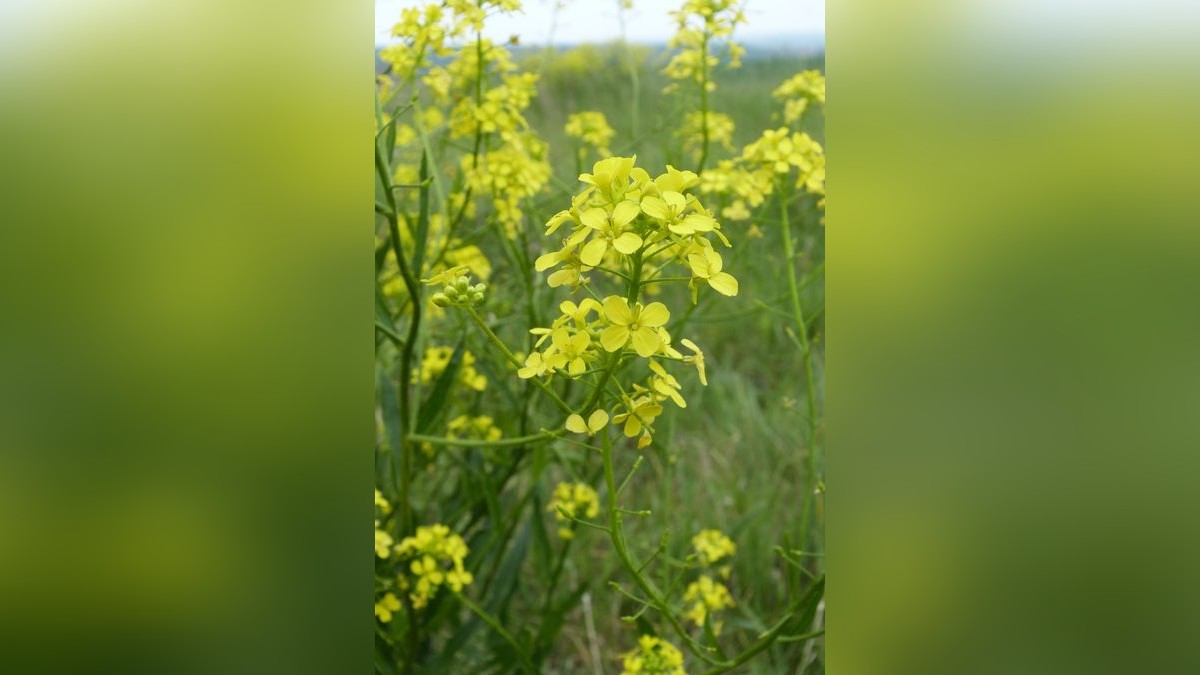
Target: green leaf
column 435, row 403
column 422, row 233
column 390, row 408
column 383, row 318
column 711, row 636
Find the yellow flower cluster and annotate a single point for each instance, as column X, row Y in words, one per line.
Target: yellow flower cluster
column 706, row 597
column 698, row 23
column 509, row 175
column 592, row 128
column 779, row 151
column 797, row 92
column 711, row 546
column 481, row 428
column 653, row 656
column 435, row 559
column 626, row 220
column 383, row 540
column 507, row 172
column 749, row 179
column 422, row 33
column 437, row 358
column 720, row 130
column 386, row 606
column 573, row 500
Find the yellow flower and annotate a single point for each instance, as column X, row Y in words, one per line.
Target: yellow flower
column 573, row 500
column 481, row 428
column 436, row 559
column 653, row 656
column 386, row 606
column 595, row 422
column 636, row 323
column 798, row 91
column 670, row 208
column 707, row 596
column 711, row 546
column 639, row 414
column 383, row 543
column 664, row 385
column 535, row 366
column 610, row 177
column 381, row 503
column 706, row 265
column 579, row 313
column 612, row 232
column 568, row 350
column 696, row 358
column 592, row 128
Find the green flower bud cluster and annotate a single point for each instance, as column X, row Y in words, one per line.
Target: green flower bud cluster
column 460, row 292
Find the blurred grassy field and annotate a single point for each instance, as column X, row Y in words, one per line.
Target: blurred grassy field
column 735, row 459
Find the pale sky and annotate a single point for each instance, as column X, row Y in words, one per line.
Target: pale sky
column 648, row 21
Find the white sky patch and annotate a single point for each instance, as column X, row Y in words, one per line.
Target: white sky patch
column 596, row 20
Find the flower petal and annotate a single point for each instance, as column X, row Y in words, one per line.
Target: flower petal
column 724, row 283
column 675, row 201
column 576, row 424
column 593, row 252
column 594, row 218
column 625, row 212
column 547, row 260
column 616, row 310
column 699, row 222
column 627, row 243
column 654, row 315
column 655, row 208
column 614, row 337
column 597, row 420
column 646, row 341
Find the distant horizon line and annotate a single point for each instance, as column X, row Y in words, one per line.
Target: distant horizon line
column 769, row 40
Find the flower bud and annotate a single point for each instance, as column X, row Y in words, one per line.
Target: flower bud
column 441, row 300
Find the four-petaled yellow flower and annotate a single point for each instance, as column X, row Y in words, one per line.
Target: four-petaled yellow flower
column 711, row 546
column 637, row 324
column 386, row 606
column 569, row 351
column 671, row 208
column 595, row 422
column 707, row 596
column 653, row 656
column 639, row 414
column 706, row 266
column 612, row 232
column 573, row 501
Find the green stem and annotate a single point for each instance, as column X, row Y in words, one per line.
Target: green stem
column 512, row 358
column 806, row 354
column 526, row 665
column 703, row 103
column 770, row 636
column 472, row 443
column 555, row 574
column 617, row 533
